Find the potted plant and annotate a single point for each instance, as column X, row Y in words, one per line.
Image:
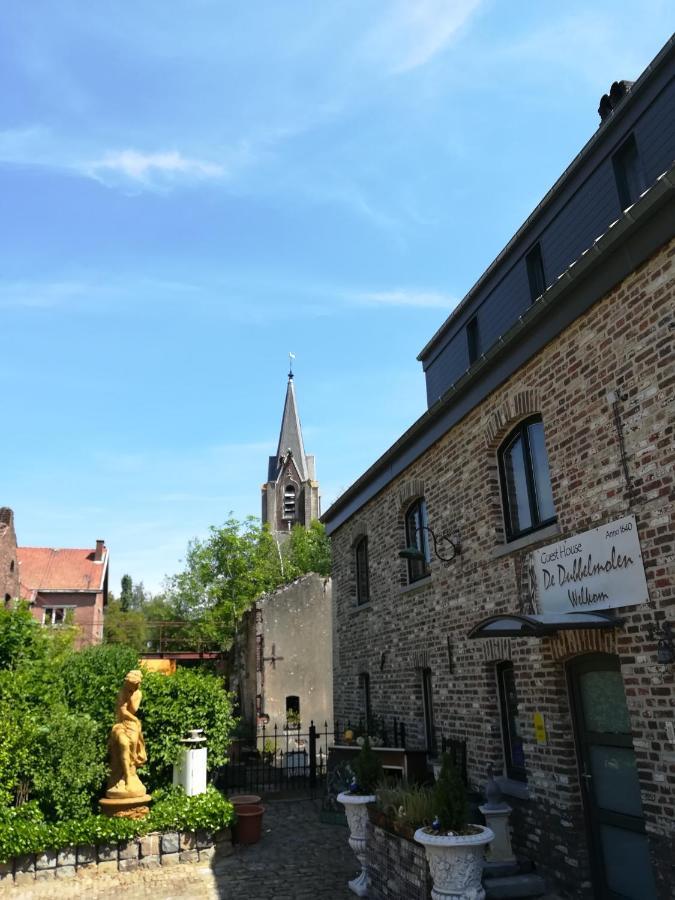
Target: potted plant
column 367, row 772
column 455, row 849
column 293, row 720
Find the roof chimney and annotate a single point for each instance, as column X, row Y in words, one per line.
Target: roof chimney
column 609, row 102
column 98, row 553
column 6, row 516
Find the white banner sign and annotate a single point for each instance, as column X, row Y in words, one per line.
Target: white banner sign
column 599, row 569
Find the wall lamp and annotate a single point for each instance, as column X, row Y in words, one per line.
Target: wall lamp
column 414, row 553
column 665, row 638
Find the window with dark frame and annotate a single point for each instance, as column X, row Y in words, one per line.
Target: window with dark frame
column 473, row 339
column 630, row 182
column 416, row 536
column 525, row 480
column 514, row 755
column 535, row 272
column 427, row 700
column 362, row 582
column 293, row 712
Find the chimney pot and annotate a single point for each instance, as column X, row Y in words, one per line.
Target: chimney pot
column 98, row 554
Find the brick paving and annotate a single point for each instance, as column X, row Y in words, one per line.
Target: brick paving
column 299, row 857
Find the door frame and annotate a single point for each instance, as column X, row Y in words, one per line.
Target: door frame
column 575, row 666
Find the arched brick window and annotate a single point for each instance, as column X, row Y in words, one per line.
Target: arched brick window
column 416, row 535
column 526, row 480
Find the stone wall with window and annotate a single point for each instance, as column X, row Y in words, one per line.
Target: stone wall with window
column 624, row 344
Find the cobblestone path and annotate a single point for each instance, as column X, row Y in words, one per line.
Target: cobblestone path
column 298, row 858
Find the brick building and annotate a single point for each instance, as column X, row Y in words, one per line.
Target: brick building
column 66, row 585
column 9, row 567
column 510, row 622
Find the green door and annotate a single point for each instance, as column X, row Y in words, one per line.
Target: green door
column 610, row 786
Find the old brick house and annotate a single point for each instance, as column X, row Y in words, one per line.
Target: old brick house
column 9, row 567
column 67, row 585
column 511, row 623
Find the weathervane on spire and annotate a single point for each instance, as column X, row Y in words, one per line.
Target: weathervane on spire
column 291, row 357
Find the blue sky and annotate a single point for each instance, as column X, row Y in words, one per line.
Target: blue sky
column 190, row 190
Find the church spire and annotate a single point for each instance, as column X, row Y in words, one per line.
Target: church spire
column 290, row 436
column 290, row 496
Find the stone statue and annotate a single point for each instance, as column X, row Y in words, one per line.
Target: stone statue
column 126, row 794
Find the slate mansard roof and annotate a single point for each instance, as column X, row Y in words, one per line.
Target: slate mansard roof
column 608, row 244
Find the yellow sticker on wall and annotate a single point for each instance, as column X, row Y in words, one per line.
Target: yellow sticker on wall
column 539, row 728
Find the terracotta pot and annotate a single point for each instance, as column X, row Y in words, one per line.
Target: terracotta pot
column 244, row 800
column 249, row 824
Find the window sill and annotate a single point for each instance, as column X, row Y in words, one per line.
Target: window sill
column 418, row 585
column 535, row 538
column 511, row 787
column 360, row 607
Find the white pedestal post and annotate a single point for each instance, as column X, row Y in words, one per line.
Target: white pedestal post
column 190, row 771
column 497, row 819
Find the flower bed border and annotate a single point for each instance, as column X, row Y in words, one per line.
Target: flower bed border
column 157, row 848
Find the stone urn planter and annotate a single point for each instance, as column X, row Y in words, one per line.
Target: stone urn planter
column 456, row 862
column 356, row 809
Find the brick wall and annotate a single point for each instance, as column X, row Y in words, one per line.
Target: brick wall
column 625, row 344
column 9, row 568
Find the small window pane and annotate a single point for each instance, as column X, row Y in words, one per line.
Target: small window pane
column 516, row 487
column 540, row 472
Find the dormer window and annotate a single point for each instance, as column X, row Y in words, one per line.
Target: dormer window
column 630, row 181
column 289, row 501
column 535, row 272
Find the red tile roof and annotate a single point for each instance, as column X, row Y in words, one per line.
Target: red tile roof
column 44, row 569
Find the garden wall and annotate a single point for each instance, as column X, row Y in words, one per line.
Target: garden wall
column 147, row 852
column 397, row 867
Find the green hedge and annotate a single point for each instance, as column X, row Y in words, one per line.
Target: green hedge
column 57, row 706
column 23, row 829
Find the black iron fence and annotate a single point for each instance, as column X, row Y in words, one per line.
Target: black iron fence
column 289, row 760
column 277, row 760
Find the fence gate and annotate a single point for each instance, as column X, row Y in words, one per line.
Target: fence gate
column 284, row 761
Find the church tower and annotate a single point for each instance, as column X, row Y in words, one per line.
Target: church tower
column 290, row 496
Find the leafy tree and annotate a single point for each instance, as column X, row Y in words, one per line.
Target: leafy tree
column 126, row 596
column 308, row 550
column 20, row 636
column 224, row 575
column 124, row 627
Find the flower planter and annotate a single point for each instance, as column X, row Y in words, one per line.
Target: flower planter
column 238, row 800
column 249, row 824
column 356, row 809
column 456, row 862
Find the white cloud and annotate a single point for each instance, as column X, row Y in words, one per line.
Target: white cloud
column 144, row 167
column 408, row 297
column 415, row 31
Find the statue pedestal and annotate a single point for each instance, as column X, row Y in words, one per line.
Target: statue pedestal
column 126, row 807
column 497, row 818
